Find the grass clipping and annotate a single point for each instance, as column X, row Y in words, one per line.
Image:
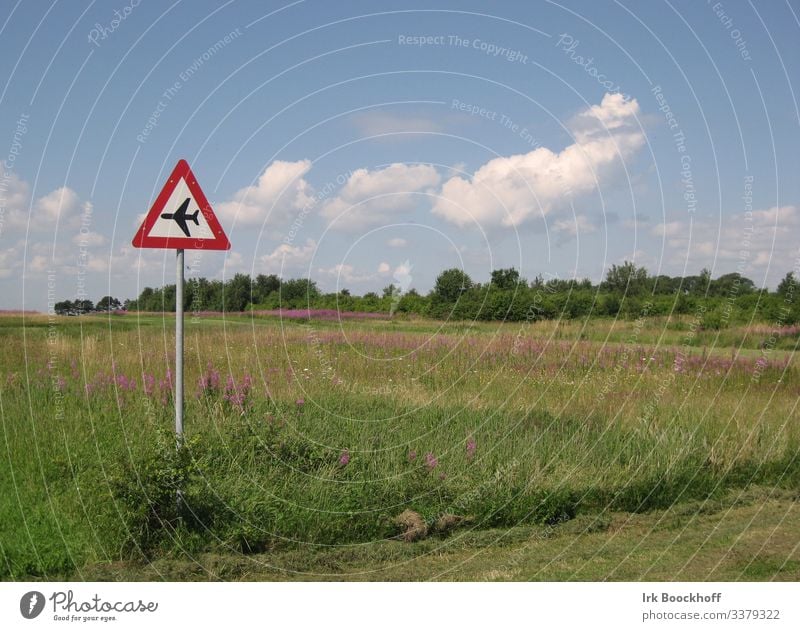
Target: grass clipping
column 414, row 527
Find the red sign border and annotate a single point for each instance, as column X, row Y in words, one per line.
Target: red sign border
column 142, row 239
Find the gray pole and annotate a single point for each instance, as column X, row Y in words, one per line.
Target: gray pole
column 179, row 349
column 179, row 362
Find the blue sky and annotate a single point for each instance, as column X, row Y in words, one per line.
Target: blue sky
column 360, row 143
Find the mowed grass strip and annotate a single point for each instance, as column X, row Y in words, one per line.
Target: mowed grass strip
column 741, row 537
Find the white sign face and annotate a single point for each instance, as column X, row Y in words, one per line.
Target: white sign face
column 181, row 217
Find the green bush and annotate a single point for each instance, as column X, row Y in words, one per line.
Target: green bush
column 163, row 495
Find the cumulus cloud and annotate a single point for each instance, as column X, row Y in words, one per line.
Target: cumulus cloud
column 580, row 224
column 288, row 257
column 91, row 239
column 59, row 206
column 141, row 262
column 762, row 243
column 68, row 259
column 59, row 203
column 402, row 274
column 508, row 191
column 393, row 126
column 58, row 211
column 397, row 243
column 11, row 260
column 376, row 197
column 15, row 193
column 344, row 272
column 40, row 263
column 669, row 229
column 614, row 112
column 233, row 263
column 281, row 191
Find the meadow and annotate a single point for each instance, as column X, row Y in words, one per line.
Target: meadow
column 363, row 447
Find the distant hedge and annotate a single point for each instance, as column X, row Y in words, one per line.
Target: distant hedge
column 627, row 291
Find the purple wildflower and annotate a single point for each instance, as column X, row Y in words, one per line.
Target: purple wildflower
column 165, row 387
column 208, row 383
column 471, row 447
column 149, row 384
column 126, row 384
column 300, row 402
column 235, row 394
column 412, row 455
column 431, row 461
column 230, row 389
column 344, row 459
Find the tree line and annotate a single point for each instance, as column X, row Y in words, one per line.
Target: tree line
column 84, row 305
column 627, row 291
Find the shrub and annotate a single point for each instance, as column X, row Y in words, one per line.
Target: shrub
column 159, row 495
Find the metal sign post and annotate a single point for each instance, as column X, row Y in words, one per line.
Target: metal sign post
column 179, row 349
column 179, row 363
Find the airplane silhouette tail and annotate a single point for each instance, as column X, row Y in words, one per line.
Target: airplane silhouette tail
column 193, row 217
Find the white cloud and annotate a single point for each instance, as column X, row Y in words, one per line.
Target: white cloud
column 574, row 225
column 91, row 239
column 10, row 260
column 59, row 205
column 344, row 272
column 234, row 263
column 40, row 263
column 508, row 191
column 614, row 112
column 97, row 264
column 402, row 274
column 130, row 261
column 68, row 259
column 397, row 243
column 375, row 197
column 459, row 168
column 16, row 194
column 57, row 210
column 745, row 242
column 279, row 192
column 397, row 126
column 669, row 229
column 288, row 257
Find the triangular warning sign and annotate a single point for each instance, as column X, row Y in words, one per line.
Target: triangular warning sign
column 181, row 217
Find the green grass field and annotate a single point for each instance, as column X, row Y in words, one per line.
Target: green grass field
column 400, row 450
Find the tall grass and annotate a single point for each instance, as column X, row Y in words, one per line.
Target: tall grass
column 321, row 433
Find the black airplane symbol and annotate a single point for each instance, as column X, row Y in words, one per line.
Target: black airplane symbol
column 180, row 217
